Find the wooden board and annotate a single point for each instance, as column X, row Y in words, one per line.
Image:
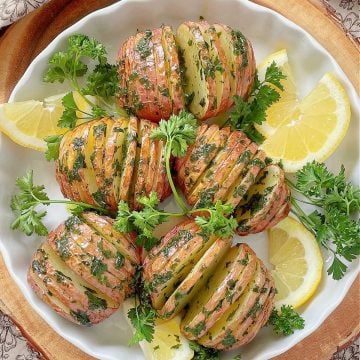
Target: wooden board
column 23, row 41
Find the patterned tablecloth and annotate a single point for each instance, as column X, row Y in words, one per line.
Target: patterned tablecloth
column 13, row 345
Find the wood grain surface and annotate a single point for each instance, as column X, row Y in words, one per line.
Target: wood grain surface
column 23, row 41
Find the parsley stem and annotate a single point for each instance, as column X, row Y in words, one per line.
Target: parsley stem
column 171, row 182
column 68, row 202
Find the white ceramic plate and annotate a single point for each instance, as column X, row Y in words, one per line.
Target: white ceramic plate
column 268, row 32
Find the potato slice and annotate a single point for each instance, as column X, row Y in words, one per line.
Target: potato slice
column 88, row 266
column 142, row 168
column 282, row 213
column 242, row 160
column 216, row 171
column 172, row 69
column 216, row 67
column 143, row 95
column 181, row 161
column 257, row 200
column 265, row 306
column 221, row 290
column 272, row 211
column 200, row 86
column 129, row 160
column 113, row 157
column 246, row 179
column 162, row 83
column 196, row 279
column 182, row 250
column 124, row 243
column 240, row 61
column 212, row 164
column 206, row 148
column 124, row 69
column 233, row 317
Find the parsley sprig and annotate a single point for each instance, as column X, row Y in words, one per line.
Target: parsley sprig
column 26, row 203
column 203, row 353
column 334, row 222
column 142, row 315
column 177, row 133
column 285, row 321
column 248, row 113
column 102, row 82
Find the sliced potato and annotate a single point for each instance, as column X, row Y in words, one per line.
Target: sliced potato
column 217, row 67
column 265, row 305
column 232, row 318
column 246, row 180
column 113, row 157
column 162, row 83
column 216, row 171
column 129, row 160
column 205, row 149
column 222, row 289
column 172, row 69
column 262, row 201
column 124, row 243
column 235, row 174
column 180, row 254
column 142, row 168
column 200, row 86
column 196, row 278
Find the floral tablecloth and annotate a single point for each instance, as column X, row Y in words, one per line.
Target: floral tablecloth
column 13, row 345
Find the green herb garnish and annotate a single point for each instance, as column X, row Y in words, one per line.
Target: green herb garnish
column 248, row 113
column 25, row 206
column 334, row 226
column 285, row 321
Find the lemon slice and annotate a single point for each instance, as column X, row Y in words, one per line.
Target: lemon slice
column 297, row 261
column 278, row 112
column 28, row 122
column 168, row 343
column 298, row 132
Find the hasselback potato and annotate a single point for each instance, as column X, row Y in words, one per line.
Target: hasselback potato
column 202, row 68
column 227, row 291
column 149, row 71
column 225, row 165
column 84, row 270
column 104, row 161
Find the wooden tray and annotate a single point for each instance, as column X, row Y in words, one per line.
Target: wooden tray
column 21, row 42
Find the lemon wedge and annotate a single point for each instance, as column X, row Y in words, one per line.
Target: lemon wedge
column 167, row 343
column 298, row 132
column 279, row 111
column 28, row 122
column 297, row 261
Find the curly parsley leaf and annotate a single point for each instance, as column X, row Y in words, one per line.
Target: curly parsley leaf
column 219, row 222
column 334, row 225
column 253, row 111
column 53, row 145
column 143, row 222
column 178, row 132
column 286, row 321
column 142, row 318
column 25, row 204
column 203, row 353
column 102, row 82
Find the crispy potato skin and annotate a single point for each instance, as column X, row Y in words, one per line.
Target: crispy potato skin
column 99, row 160
column 237, row 283
column 80, row 273
column 157, row 72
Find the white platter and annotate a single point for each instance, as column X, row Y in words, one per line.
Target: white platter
column 268, row 32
